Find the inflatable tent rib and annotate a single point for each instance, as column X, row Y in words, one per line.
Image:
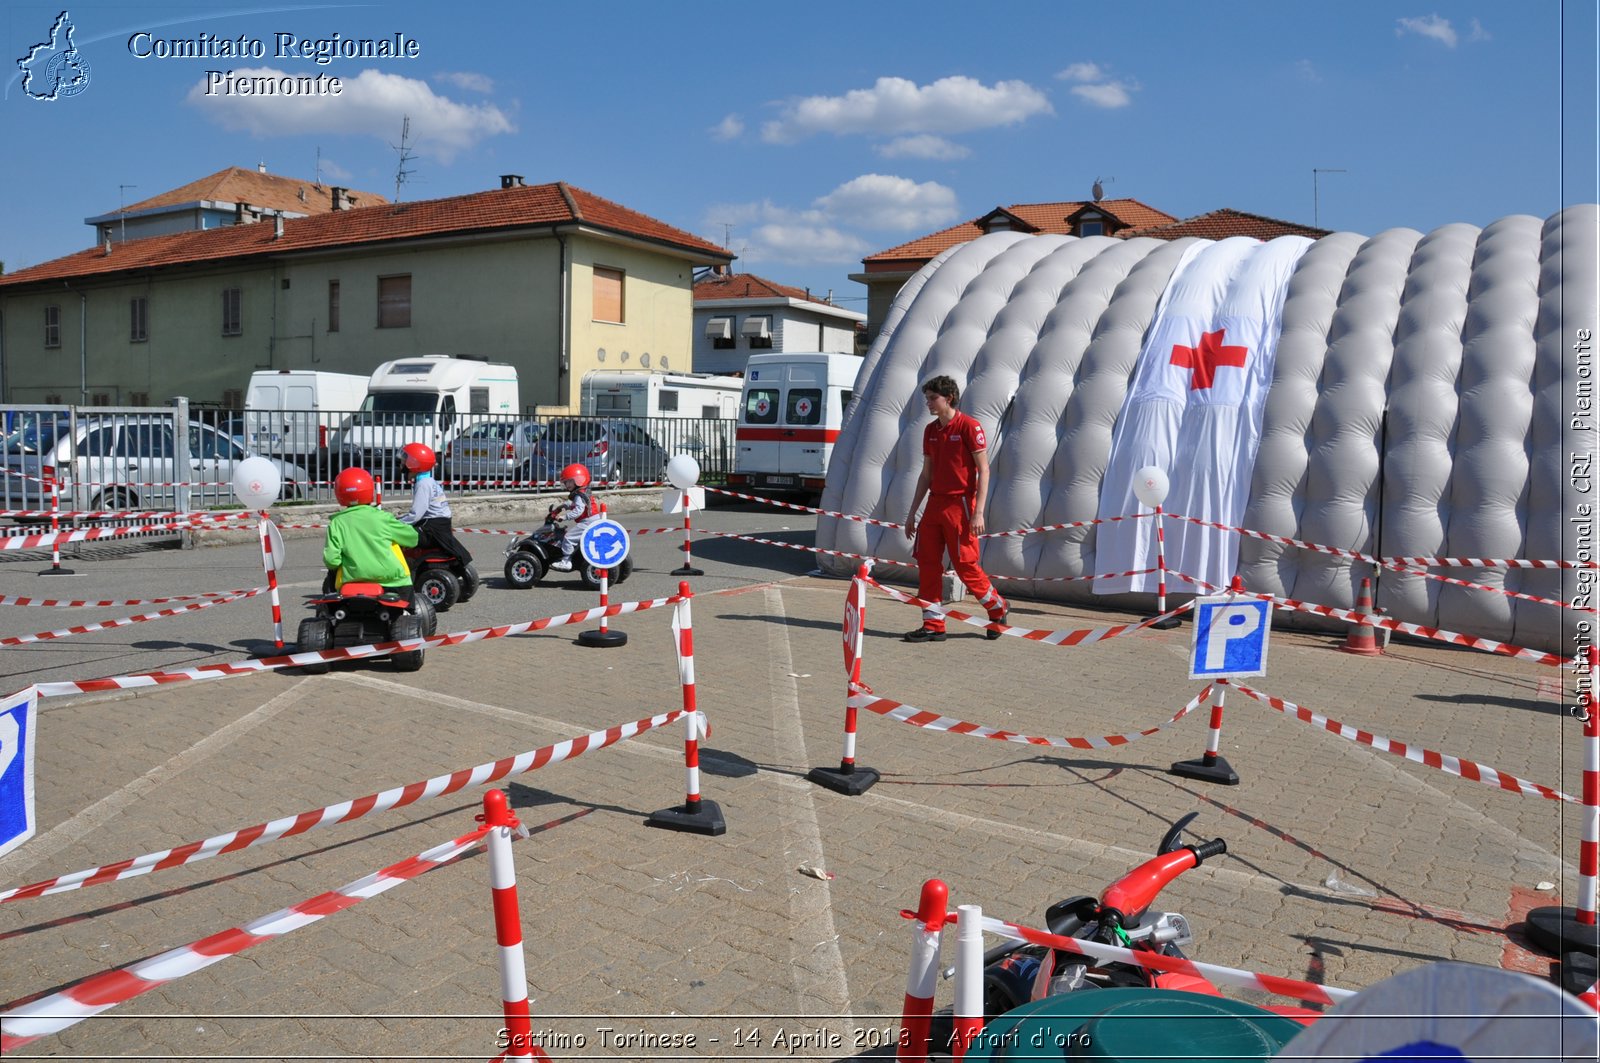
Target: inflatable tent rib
column 1420, row 404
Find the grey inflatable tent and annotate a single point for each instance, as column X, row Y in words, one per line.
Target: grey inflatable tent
column 1421, row 404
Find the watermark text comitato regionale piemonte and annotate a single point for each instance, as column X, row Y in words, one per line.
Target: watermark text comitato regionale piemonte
column 279, row 46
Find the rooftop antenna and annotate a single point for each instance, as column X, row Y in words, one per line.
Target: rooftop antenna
column 122, row 210
column 401, row 174
column 316, row 178
column 1099, row 190
column 1315, row 198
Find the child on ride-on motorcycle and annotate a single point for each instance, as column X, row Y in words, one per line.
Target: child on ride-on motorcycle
column 362, row 538
column 579, row 508
column 430, row 510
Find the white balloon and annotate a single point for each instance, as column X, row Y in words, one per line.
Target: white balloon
column 683, row 471
column 1150, row 485
column 256, row 482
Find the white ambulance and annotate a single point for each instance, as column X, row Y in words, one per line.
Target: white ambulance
column 789, row 419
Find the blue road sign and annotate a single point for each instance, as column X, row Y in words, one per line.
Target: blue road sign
column 1230, row 637
column 17, row 717
column 604, row 543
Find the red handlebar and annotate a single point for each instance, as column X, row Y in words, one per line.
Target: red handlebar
column 1134, row 892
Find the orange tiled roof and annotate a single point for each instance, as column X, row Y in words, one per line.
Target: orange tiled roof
column 1220, row 224
column 747, row 286
column 506, row 208
column 1044, row 217
column 238, row 185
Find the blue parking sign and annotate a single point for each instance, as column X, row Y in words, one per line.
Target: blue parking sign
column 1230, row 637
column 604, row 544
column 18, row 713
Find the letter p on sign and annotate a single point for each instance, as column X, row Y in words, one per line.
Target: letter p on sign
column 1230, row 638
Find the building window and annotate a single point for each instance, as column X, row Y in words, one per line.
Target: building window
column 233, row 398
column 757, row 328
column 608, row 303
column 232, row 312
column 1093, row 225
column 719, row 330
column 394, row 301
column 52, row 326
column 138, row 398
column 138, row 320
column 333, row 306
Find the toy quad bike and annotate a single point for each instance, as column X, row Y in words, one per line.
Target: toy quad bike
column 359, row 614
column 529, row 558
column 441, row 577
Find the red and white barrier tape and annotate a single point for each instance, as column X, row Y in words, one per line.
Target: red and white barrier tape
column 807, row 549
column 1080, row 637
column 39, row 542
column 58, row 1011
column 806, row 509
column 932, row 721
column 1309, row 992
column 1069, row 579
column 1063, row 527
column 84, row 629
column 294, row 660
column 1407, row 570
column 343, row 811
column 1458, row 766
column 84, row 603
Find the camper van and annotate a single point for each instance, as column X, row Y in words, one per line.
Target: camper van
column 694, row 396
column 430, row 399
column 295, row 413
column 789, row 418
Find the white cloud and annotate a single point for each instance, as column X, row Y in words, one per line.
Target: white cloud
column 879, row 201
column 896, row 106
column 1478, row 33
column 1109, row 95
column 466, row 79
column 1428, row 26
column 1081, row 72
column 921, row 146
column 802, row 245
column 372, row 103
column 729, row 128
column 1307, row 70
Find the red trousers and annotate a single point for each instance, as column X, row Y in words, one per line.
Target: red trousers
column 947, row 527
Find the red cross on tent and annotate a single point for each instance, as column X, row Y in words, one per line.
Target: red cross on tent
column 1205, row 358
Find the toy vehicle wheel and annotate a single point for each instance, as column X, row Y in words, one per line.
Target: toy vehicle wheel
column 407, row 626
column 591, row 576
column 315, row 634
column 424, row 609
column 440, row 587
column 523, row 570
column 470, row 582
column 624, row 570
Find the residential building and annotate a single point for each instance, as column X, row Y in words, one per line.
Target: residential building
column 233, row 196
column 740, row 314
column 550, row 278
column 887, row 271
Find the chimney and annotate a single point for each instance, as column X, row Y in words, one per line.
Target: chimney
column 277, row 226
column 511, row 180
column 261, row 167
column 108, row 243
column 341, row 198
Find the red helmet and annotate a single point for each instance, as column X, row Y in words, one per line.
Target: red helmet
column 419, row 457
column 354, row 487
column 578, row 474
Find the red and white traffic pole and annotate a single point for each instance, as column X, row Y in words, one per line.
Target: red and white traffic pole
column 696, row 815
column 1161, row 573
column 969, row 979
column 604, row 637
column 850, row 778
column 270, row 563
column 688, row 568
column 922, row 980
column 55, row 568
column 1212, row 766
column 508, row 928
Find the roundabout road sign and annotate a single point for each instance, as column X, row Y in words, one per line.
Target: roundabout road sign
column 604, row 543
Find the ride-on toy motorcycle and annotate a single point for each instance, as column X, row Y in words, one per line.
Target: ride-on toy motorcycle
column 528, row 559
column 441, row 577
column 359, row 614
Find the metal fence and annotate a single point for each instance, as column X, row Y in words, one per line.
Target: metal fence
column 178, row 459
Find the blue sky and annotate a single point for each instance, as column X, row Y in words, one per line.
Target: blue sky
column 806, row 137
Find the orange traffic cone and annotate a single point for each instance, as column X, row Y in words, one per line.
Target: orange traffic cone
column 1363, row 638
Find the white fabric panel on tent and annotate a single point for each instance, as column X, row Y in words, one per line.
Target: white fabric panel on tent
column 1418, row 406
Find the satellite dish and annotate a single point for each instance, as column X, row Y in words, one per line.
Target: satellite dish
column 1099, row 190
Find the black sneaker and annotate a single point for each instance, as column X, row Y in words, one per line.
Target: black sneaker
column 924, row 634
column 992, row 634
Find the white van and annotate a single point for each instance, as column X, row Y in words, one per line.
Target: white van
column 432, row 399
column 295, row 413
column 693, row 396
column 789, row 419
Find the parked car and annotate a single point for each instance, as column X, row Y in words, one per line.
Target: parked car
column 610, row 450
column 130, row 463
column 494, row 450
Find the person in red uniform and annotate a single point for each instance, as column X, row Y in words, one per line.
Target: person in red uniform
column 955, row 477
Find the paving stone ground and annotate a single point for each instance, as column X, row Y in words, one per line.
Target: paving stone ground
column 1345, row 865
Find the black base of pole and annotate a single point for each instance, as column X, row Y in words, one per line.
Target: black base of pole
column 686, row 571
column 1579, row 971
column 703, row 817
column 852, row 782
column 1166, row 625
column 1207, row 769
column 273, row 651
column 1557, row 931
column 58, row 572
column 605, row 639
